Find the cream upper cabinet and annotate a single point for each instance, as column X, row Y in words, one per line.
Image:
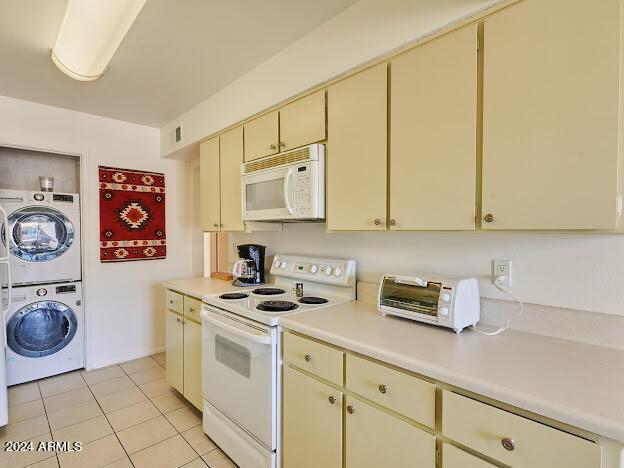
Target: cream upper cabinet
column 230, row 162
column 192, row 363
column 302, row 122
column 174, row 338
column 312, row 423
column 550, row 115
column 357, row 151
column 374, row 438
column 433, row 131
column 210, row 199
column 261, row 136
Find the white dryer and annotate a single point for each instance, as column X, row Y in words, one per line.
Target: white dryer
column 44, row 236
column 45, row 331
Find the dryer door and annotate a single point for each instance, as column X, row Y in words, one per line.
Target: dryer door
column 41, row 328
column 39, row 233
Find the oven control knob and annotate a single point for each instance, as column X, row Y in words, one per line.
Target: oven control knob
column 276, row 264
column 338, row 271
column 444, row 311
column 328, row 270
column 445, row 297
column 284, row 265
column 313, row 268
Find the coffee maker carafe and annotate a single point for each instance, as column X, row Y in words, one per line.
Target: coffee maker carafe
column 249, row 269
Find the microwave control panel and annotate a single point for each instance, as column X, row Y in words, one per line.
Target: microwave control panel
column 302, row 189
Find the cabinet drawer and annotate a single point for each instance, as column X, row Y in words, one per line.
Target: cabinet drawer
column 529, row 444
column 192, row 308
column 313, row 357
column 452, row 457
column 400, row 392
column 174, row 301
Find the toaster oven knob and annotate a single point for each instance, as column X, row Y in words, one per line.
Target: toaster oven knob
column 313, row 268
column 445, row 297
column 444, row 311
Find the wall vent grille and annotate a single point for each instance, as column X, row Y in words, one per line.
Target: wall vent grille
column 290, row 157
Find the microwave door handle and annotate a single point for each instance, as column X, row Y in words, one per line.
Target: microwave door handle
column 287, row 191
column 218, row 323
column 412, row 281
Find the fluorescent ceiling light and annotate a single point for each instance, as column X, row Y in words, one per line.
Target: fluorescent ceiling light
column 90, row 35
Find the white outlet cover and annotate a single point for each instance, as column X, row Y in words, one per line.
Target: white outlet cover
column 501, row 273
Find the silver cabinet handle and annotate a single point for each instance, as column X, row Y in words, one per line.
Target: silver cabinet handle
column 307, row 357
column 350, row 409
column 377, row 221
column 332, row 399
column 191, row 310
column 216, row 225
column 273, row 147
column 393, row 222
column 170, row 301
column 179, row 321
column 384, row 389
column 488, row 218
column 508, row 443
column 281, row 144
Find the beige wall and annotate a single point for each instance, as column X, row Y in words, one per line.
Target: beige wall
column 124, row 301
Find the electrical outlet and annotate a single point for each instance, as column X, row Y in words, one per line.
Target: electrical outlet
column 501, row 274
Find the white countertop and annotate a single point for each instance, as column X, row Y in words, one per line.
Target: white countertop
column 568, row 381
column 199, row 287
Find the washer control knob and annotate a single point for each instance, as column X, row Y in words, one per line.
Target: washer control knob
column 444, row 311
column 328, row 270
column 338, row 271
column 276, row 264
column 39, row 196
column 284, row 265
column 445, row 297
column 42, row 292
column 313, row 268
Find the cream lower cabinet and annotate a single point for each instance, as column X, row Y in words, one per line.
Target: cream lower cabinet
column 551, row 105
column 374, row 438
column 183, row 346
column 312, row 422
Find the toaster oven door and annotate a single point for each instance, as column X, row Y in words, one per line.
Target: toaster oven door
column 408, row 296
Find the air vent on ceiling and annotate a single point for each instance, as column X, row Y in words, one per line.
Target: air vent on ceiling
column 290, row 157
column 178, row 134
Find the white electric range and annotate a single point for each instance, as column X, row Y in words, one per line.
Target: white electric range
column 241, row 349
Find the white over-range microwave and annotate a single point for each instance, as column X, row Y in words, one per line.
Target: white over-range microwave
column 288, row 186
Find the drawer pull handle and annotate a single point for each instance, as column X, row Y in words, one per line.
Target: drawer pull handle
column 350, row 409
column 384, row 389
column 488, row 218
column 307, row 357
column 332, row 399
column 508, row 443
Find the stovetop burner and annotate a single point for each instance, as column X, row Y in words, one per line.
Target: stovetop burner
column 313, row 300
column 268, row 291
column 277, row 306
column 234, row 295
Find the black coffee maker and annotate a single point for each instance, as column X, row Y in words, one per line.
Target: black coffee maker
column 249, row 269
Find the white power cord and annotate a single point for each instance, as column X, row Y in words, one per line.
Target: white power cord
column 502, row 329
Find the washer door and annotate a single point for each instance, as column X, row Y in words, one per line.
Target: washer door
column 40, row 234
column 41, row 328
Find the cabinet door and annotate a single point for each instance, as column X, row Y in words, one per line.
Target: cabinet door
column 192, row 363
column 433, row 132
column 230, row 161
column 312, row 425
column 357, row 151
column 374, row 438
column 302, row 122
column 209, row 190
column 550, row 115
column 452, row 457
column 261, row 136
column 174, row 345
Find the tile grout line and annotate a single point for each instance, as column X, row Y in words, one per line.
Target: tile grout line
column 45, row 412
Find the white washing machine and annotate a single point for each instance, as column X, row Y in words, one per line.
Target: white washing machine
column 44, row 236
column 45, row 331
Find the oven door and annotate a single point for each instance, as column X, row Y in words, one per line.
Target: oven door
column 239, row 361
column 268, row 195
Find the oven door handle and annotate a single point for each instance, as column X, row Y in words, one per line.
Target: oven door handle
column 218, row 323
column 287, row 190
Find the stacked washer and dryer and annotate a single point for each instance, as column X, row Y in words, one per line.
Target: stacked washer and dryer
column 44, row 320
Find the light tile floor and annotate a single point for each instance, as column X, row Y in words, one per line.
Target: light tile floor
column 125, row 415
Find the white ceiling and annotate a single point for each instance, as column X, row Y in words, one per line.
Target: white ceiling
column 177, row 53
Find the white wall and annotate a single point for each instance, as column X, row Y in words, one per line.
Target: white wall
column 360, row 33
column 577, row 271
column 124, row 302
